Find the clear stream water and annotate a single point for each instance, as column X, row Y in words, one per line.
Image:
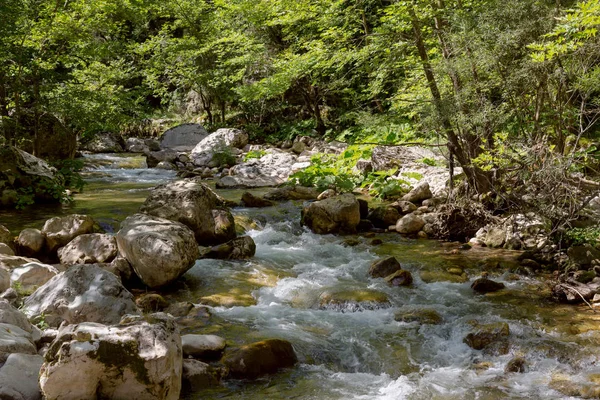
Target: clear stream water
column 366, row 354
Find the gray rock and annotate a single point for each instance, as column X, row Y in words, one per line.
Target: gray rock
column 333, row 215
column 11, row 262
column 203, row 347
column 418, row 193
column 136, row 145
column 404, row 207
column 19, row 377
column 495, row 237
column 10, row 315
column 104, row 142
column 88, row 249
column 220, row 140
column 183, row 137
column 272, row 169
column 15, row 340
column 195, row 205
column 83, row 293
column 30, row 242
column 198, row 375
column 410, row 224
column 159, row 250
column 61, row 230
column 139, row 360
column 153, row 158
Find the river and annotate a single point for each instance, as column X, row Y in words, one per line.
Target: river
column 350, row 351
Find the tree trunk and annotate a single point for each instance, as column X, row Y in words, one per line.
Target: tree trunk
column 7, row 125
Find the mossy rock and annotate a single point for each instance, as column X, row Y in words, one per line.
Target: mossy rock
column 422, row 316
column 233, row 298
column 442, row 276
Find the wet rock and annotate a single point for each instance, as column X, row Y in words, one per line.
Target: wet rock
column 249, row 200
column 400, row 278
column 340, row 214
column 485, row 285
column 516, row 364
column 223, row 139
column 104, row 142
column 198, row 376
column 353, row 300
column 193, row 204
column 88, row 249
column 384, row 267
column 159, row 250
column 418, row 193
column 442, row 276
column 151, row 303
column 384, row 216
column 292, row 193
column 19, row 377
column 493, row 337
column 260, row 358
column 244, row 223
column 422, row 316
column 32, row 275
column 183, row 137
column 61, row 230
column 82, row 293
column 203, row 347
column 15, row 340
column 410, row 224
column 237, row 249
column 30, row 242
column 139, row 360
column 232, row 298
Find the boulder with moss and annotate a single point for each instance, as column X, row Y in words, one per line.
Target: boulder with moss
column 339, row 214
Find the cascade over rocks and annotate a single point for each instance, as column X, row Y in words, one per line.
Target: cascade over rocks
column 88, row 249
column 159, row 250
column 21, row 170
column 220, row 140
column 257, row 359
column 339, row 214
column 139, row 360
column 195, row 205
column 61, row 230
column 183, row 137
column 82, row 293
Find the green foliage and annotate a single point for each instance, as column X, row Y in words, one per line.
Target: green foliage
column 254, row 154
column 70, row 171
column 223, row 155
column 413, row 175
column 581, row 236
column 429, row 161
column 383, row 185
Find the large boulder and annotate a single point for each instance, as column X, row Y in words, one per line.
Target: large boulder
column 22, row 171
column 256, row 359
column 139, row 360
column 222, row 140
column 339, row 214
column 183, row 137
column 15, row 340
column 104, row 142
column 195, row 205
column 83, row 293
column 19, row 377
column 159, row 250
column 410, row 224
column 272, row 169
column 61, row 230
column 88, row 249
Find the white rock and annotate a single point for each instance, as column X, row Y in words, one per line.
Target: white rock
column 159, row 250
column 202, row 154
column 410, row 224
column 82, row 293
column 32, row 275
column 88, row 249
column 61, row 230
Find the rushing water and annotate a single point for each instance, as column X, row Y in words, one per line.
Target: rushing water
column 361, row 352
